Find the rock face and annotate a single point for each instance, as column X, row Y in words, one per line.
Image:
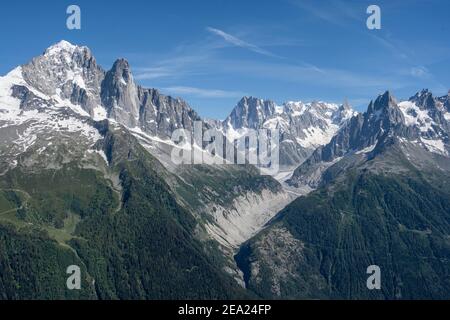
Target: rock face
column 119, row 94
column 67, row 72
column 251, row 113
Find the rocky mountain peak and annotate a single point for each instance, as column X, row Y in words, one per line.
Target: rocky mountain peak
column 62, row 47
column 121, row 70
column 294, row 107
column 66, row 55
column 384, row 101
column 119, row 94
column 67, row 74
column 251, row 112
column 424, row 100
column 384, row 112
column 445, row 100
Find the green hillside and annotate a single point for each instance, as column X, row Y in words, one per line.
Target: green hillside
column 328, row 239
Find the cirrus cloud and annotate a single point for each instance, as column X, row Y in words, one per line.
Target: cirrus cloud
column 239, row 43
column 203, row 93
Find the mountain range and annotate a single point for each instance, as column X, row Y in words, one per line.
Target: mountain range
column 380, row 197
column 86, row 178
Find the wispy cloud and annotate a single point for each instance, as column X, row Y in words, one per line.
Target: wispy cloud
column 239, row 42
column 153, row 73
column 392, row 46
column 352, row 17
column 193, row 62
column 203, row 93
column 202, row 58
column 420, row 72
column 336, row 12
column 174, row 67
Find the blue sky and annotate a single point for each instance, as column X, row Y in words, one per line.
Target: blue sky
column 213, row 52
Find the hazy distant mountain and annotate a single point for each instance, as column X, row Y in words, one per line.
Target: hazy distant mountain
column 303, row 126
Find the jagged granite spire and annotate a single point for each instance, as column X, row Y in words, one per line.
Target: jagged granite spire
column 250, row 112
column 119, row 94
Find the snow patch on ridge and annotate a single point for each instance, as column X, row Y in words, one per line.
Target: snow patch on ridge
column 315, row 137
column 414, row 116
column 57, row 48
column 435, row 146
column 447, row 116
column 101, row 153
column 368, row 149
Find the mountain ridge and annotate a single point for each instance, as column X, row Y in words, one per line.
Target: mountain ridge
column 66, row 72
column 426, row 126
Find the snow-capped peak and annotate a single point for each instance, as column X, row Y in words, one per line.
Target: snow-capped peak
column 66, row 72
column 296, row 108
column 62, row 46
